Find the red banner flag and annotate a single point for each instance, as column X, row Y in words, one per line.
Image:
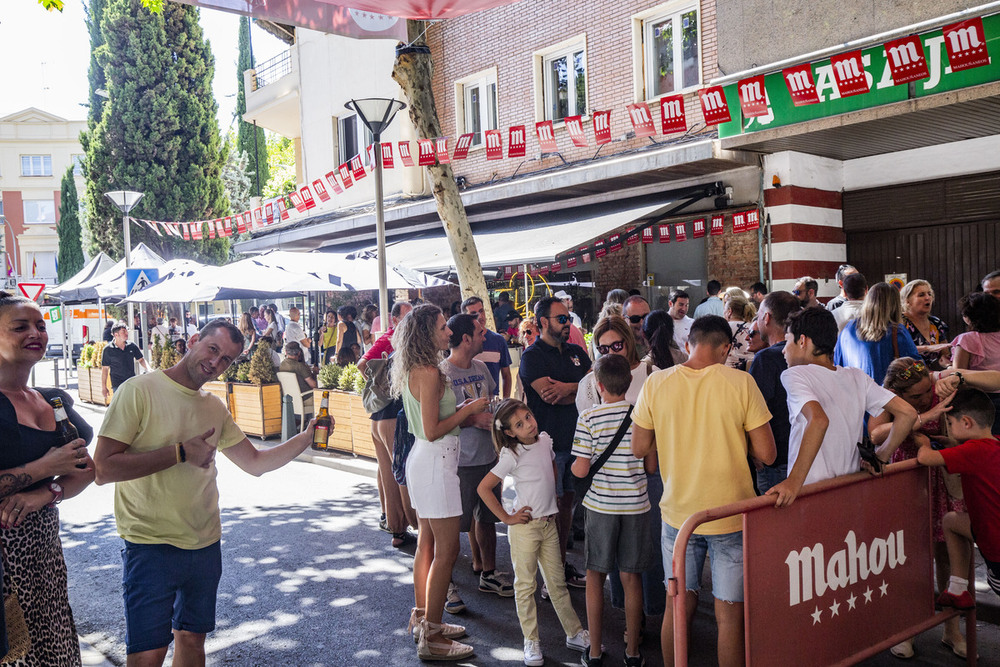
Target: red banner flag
column 849, row 73
column 965, row 43
column 673, row 116
column 258, row 217
column 615, row 243
column 196, row 231
column 387, row 161
column 320, row 189
column 404, row 153
column 296, row 200
column 462, row 146
column 698, row 228
column 152, row 225
column 753, row 219
column 664, row 233
column 718, row 225
column 211, row 228
column 753, row 96
column 546, row 137
column 441, row 150
column 570, row 262
column 227, row 225
column 426, row 152
column 642, row 121
column 331, row 180
column 186, row 232
column 516, row 141
column 357, row 168
column 600, row 249
column 241, row 225
column 307, row 197
column 494, row 144
column 345, row 174
column 279, row 203
column 220, row 228
column 508, row 272
column 556, row 267
column 586, row 258
column 801, row 85
column 680, row 231
column 906, row 59
column 631, row 237
column 574, row 127
column 602, row 127
column 647, row 235
column 714, row 107
column 269, row 212
column 739, row 222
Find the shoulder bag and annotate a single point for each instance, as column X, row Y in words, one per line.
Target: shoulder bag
column 375, row 396
column 582, row 484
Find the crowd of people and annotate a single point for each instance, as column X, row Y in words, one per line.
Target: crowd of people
column 602, row 430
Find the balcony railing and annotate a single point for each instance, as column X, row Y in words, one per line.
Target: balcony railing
column 271, row 70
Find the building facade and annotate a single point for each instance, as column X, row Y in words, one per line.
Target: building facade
column 36, row 148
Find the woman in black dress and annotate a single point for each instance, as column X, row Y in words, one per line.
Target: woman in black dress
column 36, row 473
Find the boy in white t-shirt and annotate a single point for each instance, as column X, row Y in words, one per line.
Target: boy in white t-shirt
column 827, row 406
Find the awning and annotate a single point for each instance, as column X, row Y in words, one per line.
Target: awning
column 534, row 239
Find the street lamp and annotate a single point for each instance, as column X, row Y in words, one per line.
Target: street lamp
column 125, row 201
column 377, row 113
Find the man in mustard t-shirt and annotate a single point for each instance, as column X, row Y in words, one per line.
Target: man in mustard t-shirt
column 697, row 417
column 158, row 444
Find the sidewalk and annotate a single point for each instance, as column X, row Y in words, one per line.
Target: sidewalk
column 93, row 657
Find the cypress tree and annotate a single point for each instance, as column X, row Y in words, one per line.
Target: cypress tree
column 259, row 170
column 70, row 247
column 157, row 132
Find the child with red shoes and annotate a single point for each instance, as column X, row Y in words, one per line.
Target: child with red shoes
column 977, row 458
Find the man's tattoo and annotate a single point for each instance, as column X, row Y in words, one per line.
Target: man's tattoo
column 11, row 483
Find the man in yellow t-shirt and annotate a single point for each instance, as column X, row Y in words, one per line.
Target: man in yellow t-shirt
column 158, row 444
column 697, row 417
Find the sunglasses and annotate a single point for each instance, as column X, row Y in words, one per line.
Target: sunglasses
column 796, row 292
column 635, row 319
column 561, row 319
column 616, row 346
column 917, row 368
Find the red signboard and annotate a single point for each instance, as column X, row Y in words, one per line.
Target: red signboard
column 753, row 219
column 345, row 175
column 698, row 228
column 664, row 233
column 849, row 73
column 906, row 59
column 462, row 146
column 965, row 43
column 739, row 222
column 718, row 222
column 830, row 579
column 404, row 153
column 673, row 117
column 494, row 144
column 801, row 85
column 714, row 107
column 680, row 231
column 602, row 127
column 753, row 96
column 357, row 168
column 441, row 149
column 546, row 137
column 642, row 121
column 517, row 141
column 574, row 127
column 426, row 152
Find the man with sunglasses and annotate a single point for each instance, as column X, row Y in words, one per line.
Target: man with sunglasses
column 805, row 291
column 634, row 310
column 550, row 371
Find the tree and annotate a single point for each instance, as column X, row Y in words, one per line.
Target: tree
column 250, row 138
column 281, row 155
column 157, row 132
column 70, row 247
column 235, row 177
column 412, row 71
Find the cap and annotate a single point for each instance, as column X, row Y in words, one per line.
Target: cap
column 561, row 294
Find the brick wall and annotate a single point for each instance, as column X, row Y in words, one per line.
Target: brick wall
column 506, row 37
column 619, row 269
column 732, row 258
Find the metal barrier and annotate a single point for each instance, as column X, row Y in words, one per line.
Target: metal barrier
column 271, row 70
column 858, row 534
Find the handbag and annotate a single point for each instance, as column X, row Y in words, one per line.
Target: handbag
column 582, row 484
column 18, row 639
column 375, row 396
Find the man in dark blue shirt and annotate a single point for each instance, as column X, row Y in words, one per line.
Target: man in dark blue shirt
column 550, row 371
column 766, row 369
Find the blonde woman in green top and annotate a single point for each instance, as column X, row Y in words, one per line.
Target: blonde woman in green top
column 419, row 342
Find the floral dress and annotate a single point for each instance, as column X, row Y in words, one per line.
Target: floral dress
column 939, row 334
column 942, row 502
column 740, row 355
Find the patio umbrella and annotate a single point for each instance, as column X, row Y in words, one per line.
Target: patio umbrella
column 354, row 273
column 69, row 289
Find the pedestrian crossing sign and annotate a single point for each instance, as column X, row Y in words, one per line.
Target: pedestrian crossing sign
column 138, row 279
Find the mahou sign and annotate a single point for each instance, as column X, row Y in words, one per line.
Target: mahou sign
column 838, row 571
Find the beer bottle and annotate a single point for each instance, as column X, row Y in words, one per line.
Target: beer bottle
column 64, row 426
column 321, row 432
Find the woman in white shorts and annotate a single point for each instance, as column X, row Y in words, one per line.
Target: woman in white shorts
column 419, row 342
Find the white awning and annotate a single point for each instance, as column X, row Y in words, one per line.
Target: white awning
column 527, row 240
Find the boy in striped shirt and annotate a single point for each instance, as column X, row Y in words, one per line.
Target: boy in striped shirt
column 616, row 506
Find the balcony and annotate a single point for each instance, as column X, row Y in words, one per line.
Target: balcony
column 272, row 92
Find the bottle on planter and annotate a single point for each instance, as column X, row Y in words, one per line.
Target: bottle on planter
column 64, row 426
column 324, row 424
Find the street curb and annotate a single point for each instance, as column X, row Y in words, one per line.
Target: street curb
column 342, row 462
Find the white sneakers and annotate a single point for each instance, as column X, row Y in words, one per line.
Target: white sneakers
column 533, row 653
column 580, row 641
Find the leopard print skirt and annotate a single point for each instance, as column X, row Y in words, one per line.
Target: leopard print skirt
column 34, row 565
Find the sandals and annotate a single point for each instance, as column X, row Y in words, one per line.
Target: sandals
column 448, row 630
column 401, row 539
column 431, row 650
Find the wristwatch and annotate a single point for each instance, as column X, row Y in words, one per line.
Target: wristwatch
column 57, row 492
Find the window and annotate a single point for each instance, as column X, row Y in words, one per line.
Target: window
column 353, row 138
column 670, row 51
column 564, row 82
column 78, row 164
column 476, row 98
column 36, row 165
column 39, row 211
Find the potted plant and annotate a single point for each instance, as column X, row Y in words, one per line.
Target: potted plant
column 256, row 406
column 89, row 375
column 222, row 386
column 331, row 377
column 352, row 381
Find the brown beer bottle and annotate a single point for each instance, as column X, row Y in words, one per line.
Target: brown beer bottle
column 321, row 432
column 64, row 426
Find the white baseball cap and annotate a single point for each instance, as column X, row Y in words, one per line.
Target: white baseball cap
column 562, row 295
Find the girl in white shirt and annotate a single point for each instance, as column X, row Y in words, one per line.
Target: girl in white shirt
column 526, row 455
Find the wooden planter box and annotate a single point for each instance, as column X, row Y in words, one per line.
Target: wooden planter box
column 361, row 428
column 257, row 409
column 89, row 386
column 222, row 390
column 340, row 409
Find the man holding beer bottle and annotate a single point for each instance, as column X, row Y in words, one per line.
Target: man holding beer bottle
column 158, row 444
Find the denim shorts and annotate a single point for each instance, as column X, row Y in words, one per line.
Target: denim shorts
column 166, row 587
column 726, row 553
column 564, row 478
